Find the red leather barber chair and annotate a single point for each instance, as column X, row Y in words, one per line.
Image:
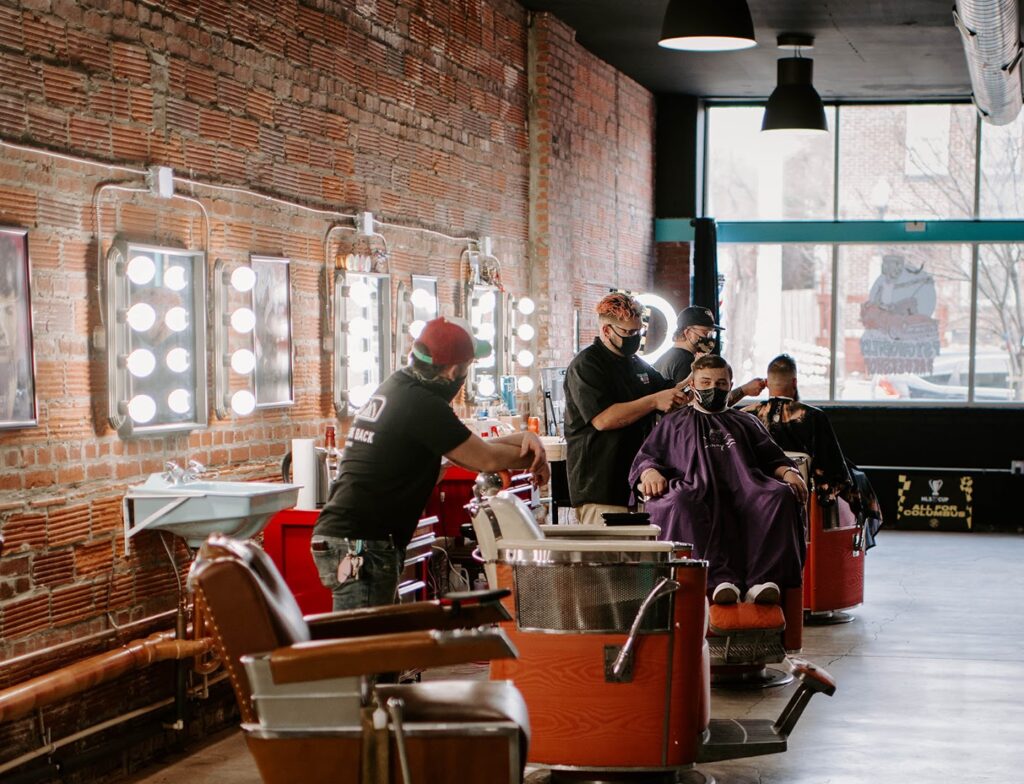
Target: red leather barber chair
column 613, row 660
column 310, row 710
column 834, row 569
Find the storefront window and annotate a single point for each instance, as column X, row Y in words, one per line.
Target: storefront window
column 906, row 162
column 778, row 299
column 1001, row 185
column 999, row 353
column 767, row 176
column 904, row 319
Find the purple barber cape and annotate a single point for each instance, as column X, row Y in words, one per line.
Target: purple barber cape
column 723, row 498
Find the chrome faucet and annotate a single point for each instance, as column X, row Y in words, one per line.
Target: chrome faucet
column 176, row 475
column 194, row 471
column 173, row 473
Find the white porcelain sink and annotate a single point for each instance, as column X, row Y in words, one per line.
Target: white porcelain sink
column 194, row 510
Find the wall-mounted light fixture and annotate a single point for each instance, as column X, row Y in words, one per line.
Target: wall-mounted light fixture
column 362, row 337
column 651, row 303
column 521, row 335
column 486, row 308
column 707, row 26
column 156, row 338
column 794, row 105
column 417, row 305
column 252, row 335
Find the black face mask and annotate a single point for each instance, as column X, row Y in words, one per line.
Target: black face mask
column 712, row 400
column 448, row 388
column 704, row 344
column 628, row 345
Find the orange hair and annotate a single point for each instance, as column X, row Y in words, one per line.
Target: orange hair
column 619, row 307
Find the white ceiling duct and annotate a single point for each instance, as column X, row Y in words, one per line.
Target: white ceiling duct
column 991, row 33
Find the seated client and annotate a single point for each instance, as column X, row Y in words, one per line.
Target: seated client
column 714, row 477
column 798, row 427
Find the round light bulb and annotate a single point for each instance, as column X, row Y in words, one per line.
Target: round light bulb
column 243, row 402
column 487, row 301
column 174, row 278
column 360, row 328
column 177, row 360
column 422, row 299
column 141, row 316
column 524, row 384
column 140, row 270
column 243, row 279
column 485, row 332
column 359, row 396
column 486, row 362
column 416, row 328
column 243, row 361
column 525, row 358
column 526, row 306
column 525, row 332
column 485, row 386
column 243, row 320
column 177, row 319
column 142, row 408
column 141, row 362
column 179, row 401
column 360, row 294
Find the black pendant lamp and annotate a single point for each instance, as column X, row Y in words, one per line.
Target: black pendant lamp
column 794, row 105
column 707, row 26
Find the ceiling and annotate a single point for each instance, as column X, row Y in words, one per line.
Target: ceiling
column 863, row 49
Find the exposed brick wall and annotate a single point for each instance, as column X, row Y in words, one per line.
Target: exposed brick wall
column 592, row 181
column 415, row 111
column 672, row 273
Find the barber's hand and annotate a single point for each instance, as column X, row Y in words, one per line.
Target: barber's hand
column 531, row 444
column 652, row 483
column 685, row 387
column 796, row 484
column 754, row 387
column 669, row 399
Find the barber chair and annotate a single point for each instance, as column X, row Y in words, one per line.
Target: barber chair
column 310, row 709
column 834, row 569
column 613, row 660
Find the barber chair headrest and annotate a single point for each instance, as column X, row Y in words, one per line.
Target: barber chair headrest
column 283, row 611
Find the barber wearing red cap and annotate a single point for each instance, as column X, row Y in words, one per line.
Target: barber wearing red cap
column 392, row 460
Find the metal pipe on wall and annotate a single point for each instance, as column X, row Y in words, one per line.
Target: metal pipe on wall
column 990, row 30
column 22, row 699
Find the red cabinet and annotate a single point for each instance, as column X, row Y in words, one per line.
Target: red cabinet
column 286, row 540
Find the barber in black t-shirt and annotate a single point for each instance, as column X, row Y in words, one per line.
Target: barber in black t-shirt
column 392, row 461
column 611, row 398
column 694, row 337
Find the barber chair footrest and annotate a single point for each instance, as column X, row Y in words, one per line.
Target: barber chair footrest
column 746, row 649
column 735, row 738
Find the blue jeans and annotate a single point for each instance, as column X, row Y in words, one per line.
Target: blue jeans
column 378, row 576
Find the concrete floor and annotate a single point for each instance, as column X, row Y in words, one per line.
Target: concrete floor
column 929, row 678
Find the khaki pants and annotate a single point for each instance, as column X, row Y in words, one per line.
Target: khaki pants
column 590, row 514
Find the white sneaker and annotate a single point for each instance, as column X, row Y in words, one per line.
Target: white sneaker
column 725, row 593
column 764, row 593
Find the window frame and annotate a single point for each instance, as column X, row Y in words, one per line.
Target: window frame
column 974, row 231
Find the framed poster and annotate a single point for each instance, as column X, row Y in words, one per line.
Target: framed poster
column 272, row 334
column 17, row 365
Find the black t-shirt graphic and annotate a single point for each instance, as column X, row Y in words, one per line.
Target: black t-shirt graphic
column 391, row 461
column 598, row 461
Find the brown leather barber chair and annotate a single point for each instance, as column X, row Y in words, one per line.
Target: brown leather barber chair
column 310, row 709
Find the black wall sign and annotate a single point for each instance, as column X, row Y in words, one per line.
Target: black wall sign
column 938, row 501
